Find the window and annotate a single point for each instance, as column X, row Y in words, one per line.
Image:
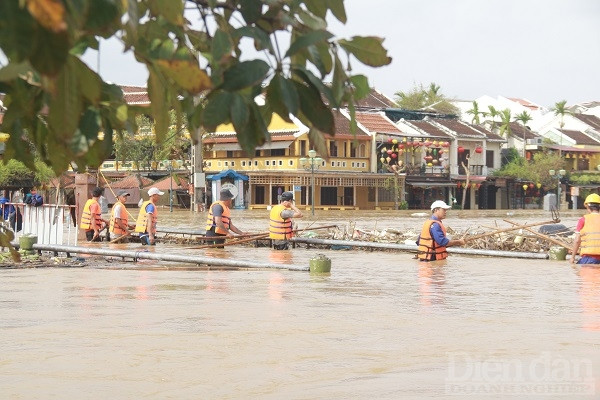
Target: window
column 291, row 162
column 277, row 152
column 243, row 163
column 229, row 154
column 256, row 153
column 364, row 165
column 344, row 164
column 233, row 163
column 218, row 163
column 280, row 163
column 333, row 163
column 267, row 163
column 333, row 150
column 255, row 163
column 362, row 150
column 226, row 163
column 302, row 145
column 352, row 150
column 489, row 158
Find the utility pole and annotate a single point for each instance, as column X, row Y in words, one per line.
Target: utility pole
column 198, row 176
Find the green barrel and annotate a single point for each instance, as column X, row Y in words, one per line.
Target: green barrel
column 557, row 253
column 320, row 264
column 26, row 242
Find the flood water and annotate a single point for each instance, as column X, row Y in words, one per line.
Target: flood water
column 380, row 326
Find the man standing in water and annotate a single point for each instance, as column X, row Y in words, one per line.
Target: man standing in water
column 119, row 225
column 280, row 225
column 218, row 221
column 587, row 233
column 146, row 221
column 91, row 218
column 433, row 241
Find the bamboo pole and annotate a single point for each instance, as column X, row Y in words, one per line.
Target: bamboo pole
column 514, row 228
column 545, row 237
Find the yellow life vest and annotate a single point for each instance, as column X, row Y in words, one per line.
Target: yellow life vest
column 140, row 223
column 590, row 235
column 225, row 218
column 114, row 227
column 86, row 216
column 279, row 228
column 428, row 248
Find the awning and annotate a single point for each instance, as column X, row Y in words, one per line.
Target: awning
column 431, row 184
column 282, row 144
column 228, row 173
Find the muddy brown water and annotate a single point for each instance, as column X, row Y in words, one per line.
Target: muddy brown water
column 380, row 326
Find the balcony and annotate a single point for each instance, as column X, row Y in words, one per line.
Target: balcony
column 425, row 171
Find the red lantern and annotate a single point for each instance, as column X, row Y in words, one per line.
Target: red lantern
column 389, row 140
column 531, row 186
column 389, row 151
column 427, row 143
column 478, row 149
column 461, row 149
column 428, row 158
column 394, row 155
column 401, row 146
column 458, row 184
column 446, row 144
column 478, row 185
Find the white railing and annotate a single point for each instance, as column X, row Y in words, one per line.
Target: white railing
column 51, row 223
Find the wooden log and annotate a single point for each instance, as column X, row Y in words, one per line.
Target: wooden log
column 497, row 231
column 545, row 237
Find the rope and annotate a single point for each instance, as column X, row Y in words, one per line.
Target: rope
column 113, row 192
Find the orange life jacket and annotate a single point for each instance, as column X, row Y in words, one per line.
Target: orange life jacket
column 140, row 223
column 279, row 228
column 428, row 248
column 225, row 218
column 114, row 227
column 86, row 216
column 590, row 235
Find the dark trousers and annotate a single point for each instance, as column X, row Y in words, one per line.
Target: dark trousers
column 212, row 233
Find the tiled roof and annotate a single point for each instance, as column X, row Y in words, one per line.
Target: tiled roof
column 131, row 181
column 430, row 129
column 67, row 181
column 519, row 131
column 165, row 184
column 461, row 129
column 377, row 123
column 135, row 95
column 591, row 120
column 579, row 137
column 525, row 103
column 375, row 100
column 489, row 134
column 342, row 127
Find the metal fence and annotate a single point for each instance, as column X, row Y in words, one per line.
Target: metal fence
column 51, row 223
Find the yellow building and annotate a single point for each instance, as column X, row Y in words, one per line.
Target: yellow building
column 344, row 178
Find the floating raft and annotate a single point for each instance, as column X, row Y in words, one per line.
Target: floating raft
column 413, row 248
column 146, row 255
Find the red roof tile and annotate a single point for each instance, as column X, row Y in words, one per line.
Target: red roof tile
column 165, row 184
column 579, row 137
column 377, row 123
column 132, row 181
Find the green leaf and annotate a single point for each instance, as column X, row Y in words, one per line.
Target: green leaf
column 187, row 74
column 159, row 103
column 255, row 133
column 312, row 21
column 251, row 10
column 65, row 105
column 222, row 47
column 282, row 97
column 309, row 78
column 103, row 17
column 338, row 10
column 361, row 86
column 90, row 84
column 171, row 10
column 367, row 49
column 245, row 74
column 317, row 7
column 306, row 40
column 261, row 39
column 14, row 70
column 217, row 110
column 313, row 108
column 17, row 29
column 200, row 40
column 50, row 51
column 239, row 112
column 339, row 80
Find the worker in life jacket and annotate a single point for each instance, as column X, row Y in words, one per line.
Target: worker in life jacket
column 587, row 233
column 91, row 217
column 119, row 221
column 432, row 240
column 280, row 221
column 147, row 218
column 218, row 220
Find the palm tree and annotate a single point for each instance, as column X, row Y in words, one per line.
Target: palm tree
column 492, row 112
column 560, row 109
column 505, row 119
column 476, row 113
column 523, row 118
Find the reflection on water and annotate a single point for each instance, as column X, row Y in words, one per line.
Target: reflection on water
column 382, row 325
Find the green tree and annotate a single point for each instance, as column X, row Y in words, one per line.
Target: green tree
column 560, row 109
column 493, row 113
column 476, row 113
column 505, row 120
column 196, row 68
column 535, row 170
column 419, row 98
column 523, row 118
